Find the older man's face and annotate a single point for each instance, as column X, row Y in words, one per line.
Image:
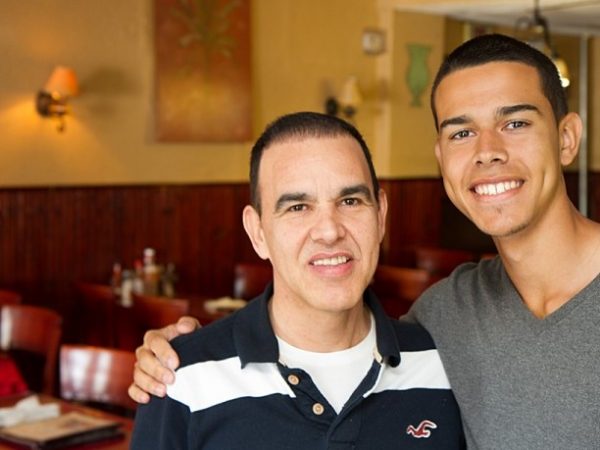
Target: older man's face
column 320, row 225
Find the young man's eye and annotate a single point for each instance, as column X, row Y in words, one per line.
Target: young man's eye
column 460, row 134
column 516, row 124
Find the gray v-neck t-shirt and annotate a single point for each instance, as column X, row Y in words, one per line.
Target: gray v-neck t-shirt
column 521, row 382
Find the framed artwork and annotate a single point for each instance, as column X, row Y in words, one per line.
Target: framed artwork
column 202, row 70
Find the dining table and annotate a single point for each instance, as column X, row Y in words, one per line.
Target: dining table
column 117, row 443
column 200, row 307
column 201, row 310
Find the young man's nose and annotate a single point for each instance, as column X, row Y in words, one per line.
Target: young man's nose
column 490, row 148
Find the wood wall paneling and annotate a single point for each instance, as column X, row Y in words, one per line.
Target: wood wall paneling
column 414, row 216
column 53, row 237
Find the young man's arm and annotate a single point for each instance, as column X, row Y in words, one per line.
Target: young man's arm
column 156, row 360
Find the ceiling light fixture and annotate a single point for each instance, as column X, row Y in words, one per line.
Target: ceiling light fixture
column 536, row 32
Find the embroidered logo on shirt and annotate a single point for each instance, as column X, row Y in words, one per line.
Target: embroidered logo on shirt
column 423, row 430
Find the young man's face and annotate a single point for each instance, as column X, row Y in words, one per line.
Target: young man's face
column 499, row 148
column 320, row 223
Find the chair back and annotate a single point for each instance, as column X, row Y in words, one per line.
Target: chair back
column 96, row 374
column 8, row 297
column 398, row 287
column 35, row 330
column 98, row 305
column 441, row 261
column 251, row 279
column 157, row 312
column 147, row 312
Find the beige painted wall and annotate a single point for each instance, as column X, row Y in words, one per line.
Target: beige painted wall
column 301, row 51
column 412, row 131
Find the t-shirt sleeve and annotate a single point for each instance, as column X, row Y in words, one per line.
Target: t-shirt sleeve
column 427, row 309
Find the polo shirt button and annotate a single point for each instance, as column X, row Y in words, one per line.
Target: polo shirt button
column 293, row 380
column 318, row 409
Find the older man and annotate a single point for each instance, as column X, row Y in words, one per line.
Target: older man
column 314, row 362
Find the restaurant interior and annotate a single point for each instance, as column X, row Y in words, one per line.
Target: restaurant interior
column 114, row 220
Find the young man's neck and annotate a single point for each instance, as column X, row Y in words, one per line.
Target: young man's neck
column 551, row 263
column 319, row 331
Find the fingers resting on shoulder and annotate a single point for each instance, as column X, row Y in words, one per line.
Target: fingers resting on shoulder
column 156, row 360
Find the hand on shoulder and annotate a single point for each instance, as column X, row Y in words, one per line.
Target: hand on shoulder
column 157, row 361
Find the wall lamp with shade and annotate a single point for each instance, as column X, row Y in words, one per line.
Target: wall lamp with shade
column 536, row 32
column 52, row 99
column 347, row 102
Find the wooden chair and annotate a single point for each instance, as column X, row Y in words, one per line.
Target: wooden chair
column 8, row 297
column 398, row 287
column 97, row 375
column 251, row 279
column 98, row 303
column 27, row 332
column 441, row 261
column 147, row 312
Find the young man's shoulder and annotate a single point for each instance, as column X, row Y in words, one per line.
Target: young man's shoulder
column 465, row 279
column 469, row 288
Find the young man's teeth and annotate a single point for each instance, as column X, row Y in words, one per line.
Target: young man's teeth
column 331, row 261
column 496, row 188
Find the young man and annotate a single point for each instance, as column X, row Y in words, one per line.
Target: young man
column 518, row 335
column 314, row 362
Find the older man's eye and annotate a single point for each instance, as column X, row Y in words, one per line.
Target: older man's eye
column 352, row 201
column 297, row 208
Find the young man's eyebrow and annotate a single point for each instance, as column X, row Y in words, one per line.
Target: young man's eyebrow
column 500, row 112
column 289, row 198
column 458, row 120
column 508, row 110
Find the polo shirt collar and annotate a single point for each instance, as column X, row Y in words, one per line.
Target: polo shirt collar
column 255, row 340
column 388, row 348
column 253, row 334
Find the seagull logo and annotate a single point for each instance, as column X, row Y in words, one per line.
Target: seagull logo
column 423, row 430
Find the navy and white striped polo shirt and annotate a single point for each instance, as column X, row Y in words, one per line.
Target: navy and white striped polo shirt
column 231, row 392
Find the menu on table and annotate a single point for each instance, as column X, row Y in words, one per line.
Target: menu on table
column 68, row 429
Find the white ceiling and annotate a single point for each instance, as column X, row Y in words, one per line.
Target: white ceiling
column 567, row 16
